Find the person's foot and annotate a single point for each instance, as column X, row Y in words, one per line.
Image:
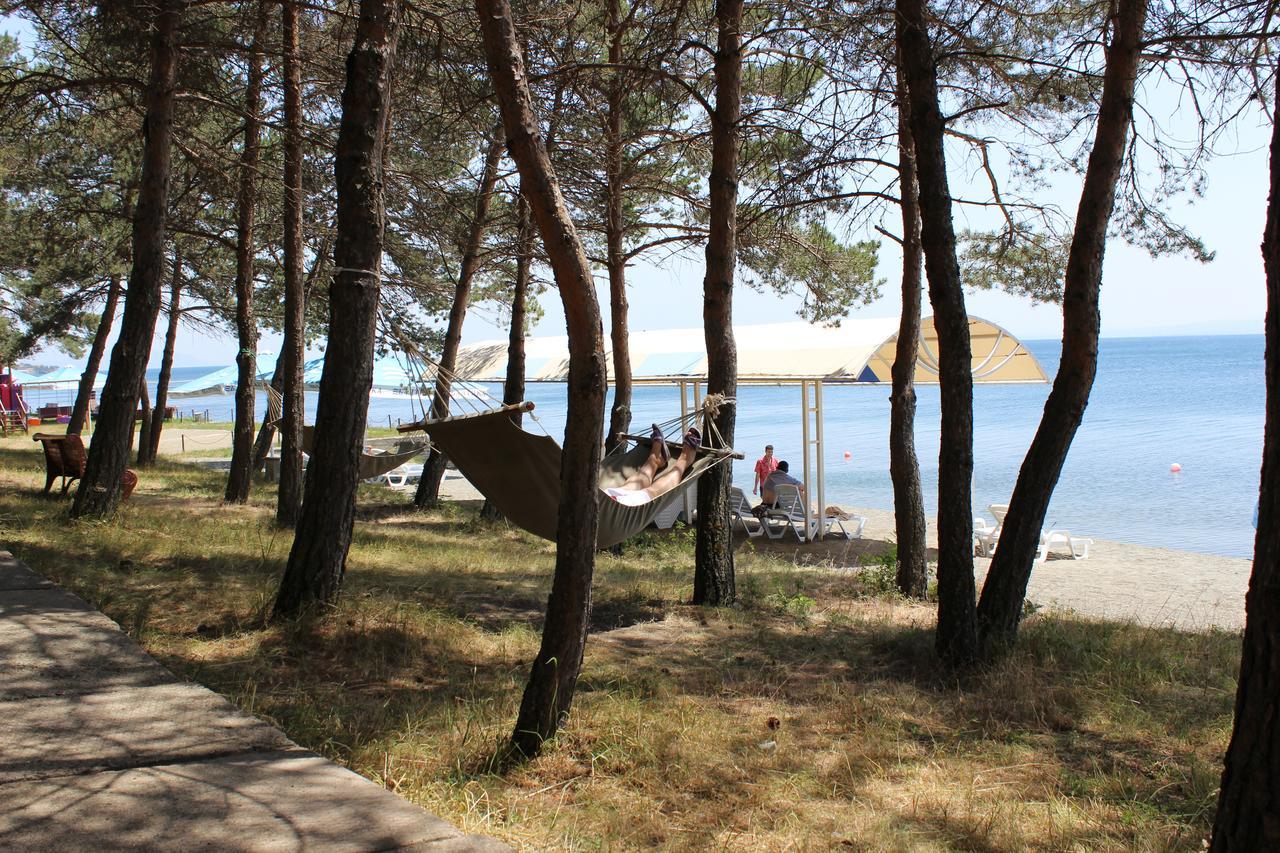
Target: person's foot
column 660, row 442
column 693, row 438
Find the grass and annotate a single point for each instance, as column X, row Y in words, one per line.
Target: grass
column 815, row 716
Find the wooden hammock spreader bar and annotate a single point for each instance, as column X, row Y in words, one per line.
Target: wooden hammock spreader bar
column 676, row 447
column 418, row 426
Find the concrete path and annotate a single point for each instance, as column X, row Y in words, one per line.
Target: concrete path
column 106, row 750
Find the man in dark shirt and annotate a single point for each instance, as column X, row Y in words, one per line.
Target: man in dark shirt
column 780, row 476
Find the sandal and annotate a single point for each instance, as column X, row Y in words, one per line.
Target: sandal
column 693, row 438
column 656, row 435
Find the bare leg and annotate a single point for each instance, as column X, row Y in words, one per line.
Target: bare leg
column 643, row 478
column 668, row 479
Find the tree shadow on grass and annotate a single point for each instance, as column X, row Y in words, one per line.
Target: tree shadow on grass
column 382, row 666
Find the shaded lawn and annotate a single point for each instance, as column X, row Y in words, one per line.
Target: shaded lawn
column 815, row 716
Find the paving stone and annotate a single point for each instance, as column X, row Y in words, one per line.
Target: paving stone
column 52, row 642
column 59, row 735
column 253, row 802
column 14, row 574
column 105, row 750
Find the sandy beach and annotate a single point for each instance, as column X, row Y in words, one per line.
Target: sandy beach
column 1151, row 586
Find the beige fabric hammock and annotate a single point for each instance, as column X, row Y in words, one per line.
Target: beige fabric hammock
column 379, row 456
column 519, row 472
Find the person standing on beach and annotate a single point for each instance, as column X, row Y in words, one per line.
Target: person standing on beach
column 765, row 466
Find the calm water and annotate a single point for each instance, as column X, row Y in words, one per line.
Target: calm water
column 1195, row 401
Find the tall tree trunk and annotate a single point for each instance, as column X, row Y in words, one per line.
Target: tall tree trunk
column 616, row 259
column 289, row 491
column 957, row 636
column 904, row 467
column 99, row 491
column 713, row 574
column 240, row 478
column 84, row 393
column 428, row 494
column 144, row 424
column 166, row 359
column 318, row 558
column 554, row 675
column 1248, row 815
column 1006, row 584
column 513, row 387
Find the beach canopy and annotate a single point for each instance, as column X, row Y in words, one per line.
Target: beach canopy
column 60, row 378
column 389, row 374
column 22, row 377
column 219, row 381
column 858, row 351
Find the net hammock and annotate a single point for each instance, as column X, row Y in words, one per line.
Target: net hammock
column 378, row 456
column 519, row 471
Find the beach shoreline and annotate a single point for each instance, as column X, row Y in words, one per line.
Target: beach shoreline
column 1119, row 580
column 1154, row 586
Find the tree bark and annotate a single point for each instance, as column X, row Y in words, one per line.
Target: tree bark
column 289, row 364
column 317, row 561
column 144, row 424
column 240, row 478
column 904, row 468
column 554, row 674
column 713, row 575
column 615, row 255
column 513, row 386
column 99, row 491
column 956, row 639
column 1006, row 586
column 428, row 494
column 166, row 360
column 84, row 393
column 1248, row 815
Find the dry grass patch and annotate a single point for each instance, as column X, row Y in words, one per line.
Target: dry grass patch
column 814, row 717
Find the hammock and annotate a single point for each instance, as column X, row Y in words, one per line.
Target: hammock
column 519, row 473
column 379, row 455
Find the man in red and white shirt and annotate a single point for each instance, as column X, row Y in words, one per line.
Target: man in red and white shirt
column 765, row 466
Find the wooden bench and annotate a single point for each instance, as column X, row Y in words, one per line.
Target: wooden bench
column 64, row 456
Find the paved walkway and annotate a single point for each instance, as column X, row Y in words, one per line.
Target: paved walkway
column 105, row 750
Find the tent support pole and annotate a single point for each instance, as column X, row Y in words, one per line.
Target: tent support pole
column 820, row 450
column 808, row 450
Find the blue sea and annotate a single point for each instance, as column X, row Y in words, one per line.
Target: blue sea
column 1194, row 401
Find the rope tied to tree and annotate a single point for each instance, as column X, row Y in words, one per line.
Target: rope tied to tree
column 376, row 275
column 712, row 403
column 711, row 406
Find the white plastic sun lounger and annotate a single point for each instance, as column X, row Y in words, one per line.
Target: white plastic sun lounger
column 789, row 511
column 985, row 538
column 740, row 514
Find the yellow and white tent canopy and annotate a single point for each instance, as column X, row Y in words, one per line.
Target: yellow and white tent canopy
column 858, row 351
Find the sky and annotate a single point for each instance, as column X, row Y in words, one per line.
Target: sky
column 1141, row 295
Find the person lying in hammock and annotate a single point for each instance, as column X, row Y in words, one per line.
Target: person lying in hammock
column 647, row 483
